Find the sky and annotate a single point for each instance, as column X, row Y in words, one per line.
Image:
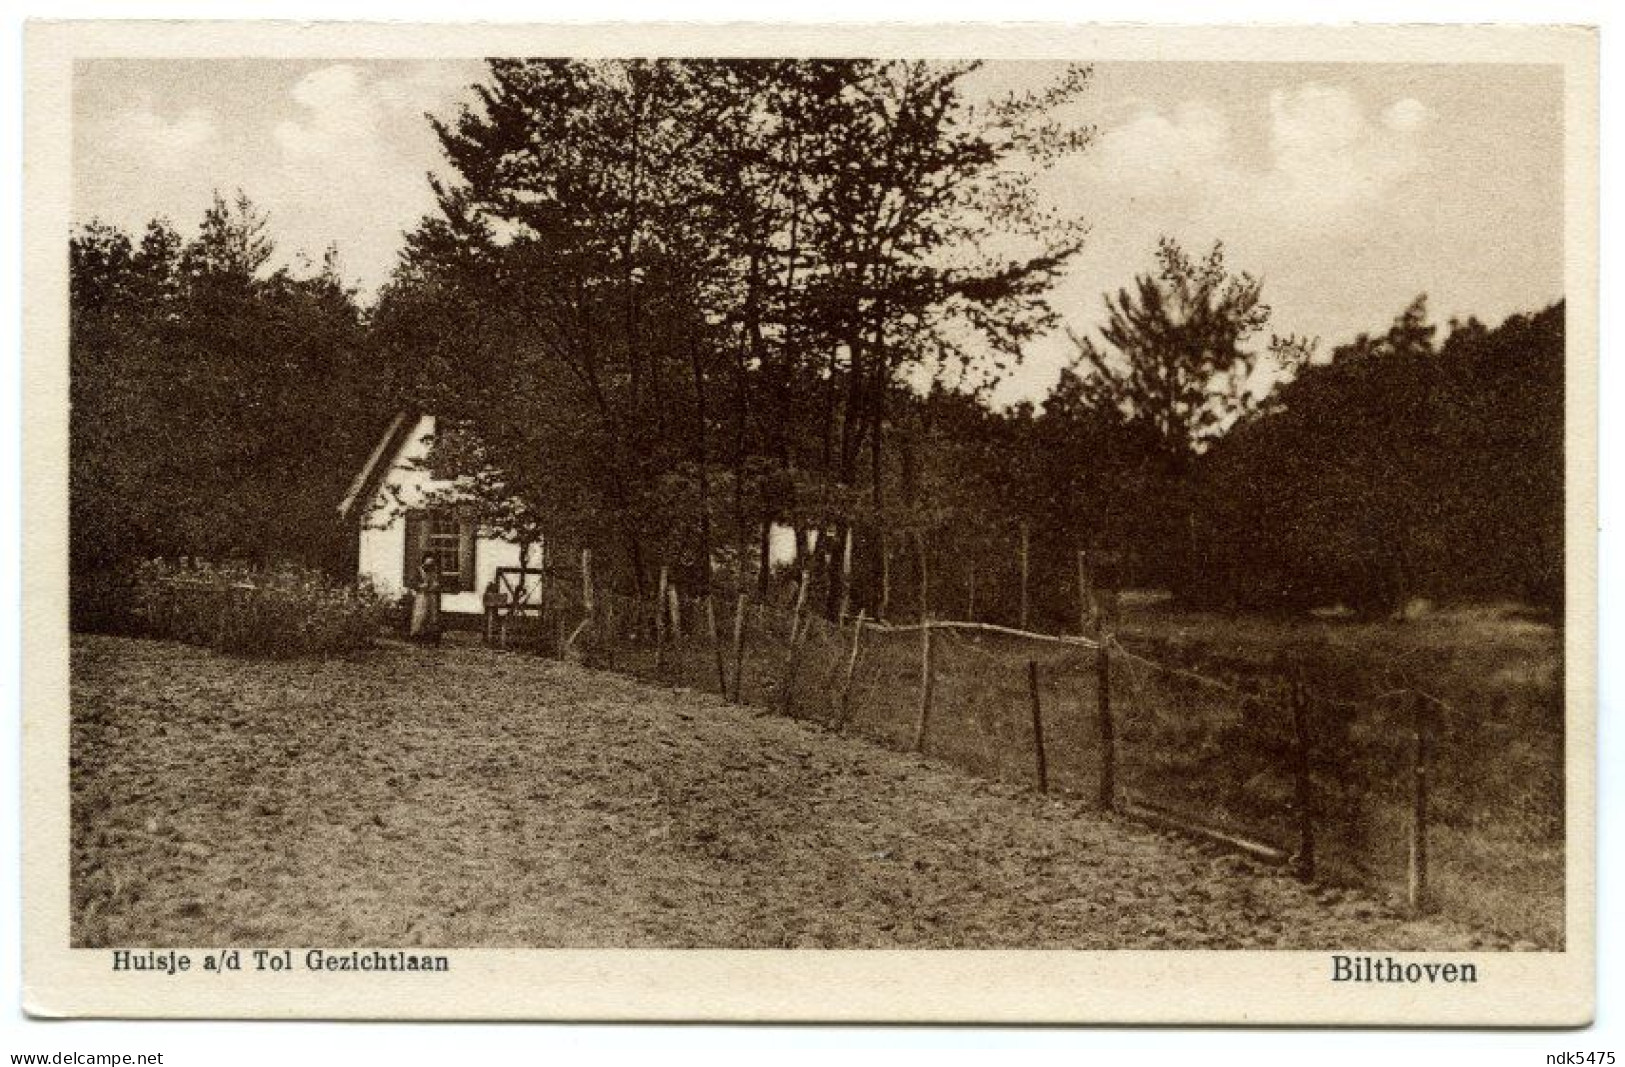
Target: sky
column 1348, row 188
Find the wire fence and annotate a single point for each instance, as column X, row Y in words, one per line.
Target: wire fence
column 1299, row 758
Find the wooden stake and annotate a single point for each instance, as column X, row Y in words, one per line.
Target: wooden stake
column 796, row 603
column 589, row 605
column 1038, row 726
column 833, row 673
column 927, row 686
column 1418, row 880
column 787, row 698
column 928, row 679
column 660, row 622
column 846, row 576
column 1303, row 783
column 851, row 668
column 1108, row 727
column 543, row 601
column 739, row 646
column 716, row 643
column 1086, row 595
column 676, row 612
column 884, row 610
column 610, row 636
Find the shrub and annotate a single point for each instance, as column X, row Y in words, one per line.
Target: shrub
column 276, row 612
column 103, row 601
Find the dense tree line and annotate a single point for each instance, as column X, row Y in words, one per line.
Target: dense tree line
column 1397, row 468
column 685, row 297
column 218, row 407
column 666, row 309
column 1403, row 467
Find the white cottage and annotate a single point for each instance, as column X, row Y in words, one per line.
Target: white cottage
column 395, row 530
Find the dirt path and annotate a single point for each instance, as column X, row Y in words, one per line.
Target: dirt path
column 457, row 797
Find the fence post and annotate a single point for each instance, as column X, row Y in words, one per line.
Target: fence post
column 544, row 602
column 927, row 683
column 928, row 679
column 846, row 577
column 610, row 636
column 1420, row 755
column 716, row 643
column 1103, row 710
column 851, row 668
column 885, row 578
column 660, row 622
column 589, row 616
column 787, row 698
column 1303, row 782
column 676, row 600
column 1038, row 726
column 739, row 647
column 1086, row 595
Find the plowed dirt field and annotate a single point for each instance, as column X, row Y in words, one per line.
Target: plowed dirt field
column 457, row 797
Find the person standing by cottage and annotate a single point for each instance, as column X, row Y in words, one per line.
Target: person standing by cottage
column 426, row 600
column 494, row 600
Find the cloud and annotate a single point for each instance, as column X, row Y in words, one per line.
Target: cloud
column 1407, row 115
column 334, row 152
column 340, row 115
column 349, row 158
column 1321, row 157
column 346, row 112
column 1328, row 157
column 1165, row 153
column 141, row 137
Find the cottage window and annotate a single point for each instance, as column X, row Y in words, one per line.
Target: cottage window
column 445, row 543
column 446, row 537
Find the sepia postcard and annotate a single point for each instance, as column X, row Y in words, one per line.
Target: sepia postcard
column 1001, row 523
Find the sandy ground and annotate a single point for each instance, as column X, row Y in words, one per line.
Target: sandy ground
column 456, row 797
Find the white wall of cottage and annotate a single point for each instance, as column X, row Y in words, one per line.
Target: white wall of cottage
column 381, row 556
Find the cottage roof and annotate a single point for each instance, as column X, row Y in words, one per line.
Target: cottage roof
column 371, row 475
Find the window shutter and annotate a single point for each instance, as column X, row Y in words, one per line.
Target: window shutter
column 465, row 555
column 412, row 550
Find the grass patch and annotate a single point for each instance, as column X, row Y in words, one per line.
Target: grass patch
column 1221, row 753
